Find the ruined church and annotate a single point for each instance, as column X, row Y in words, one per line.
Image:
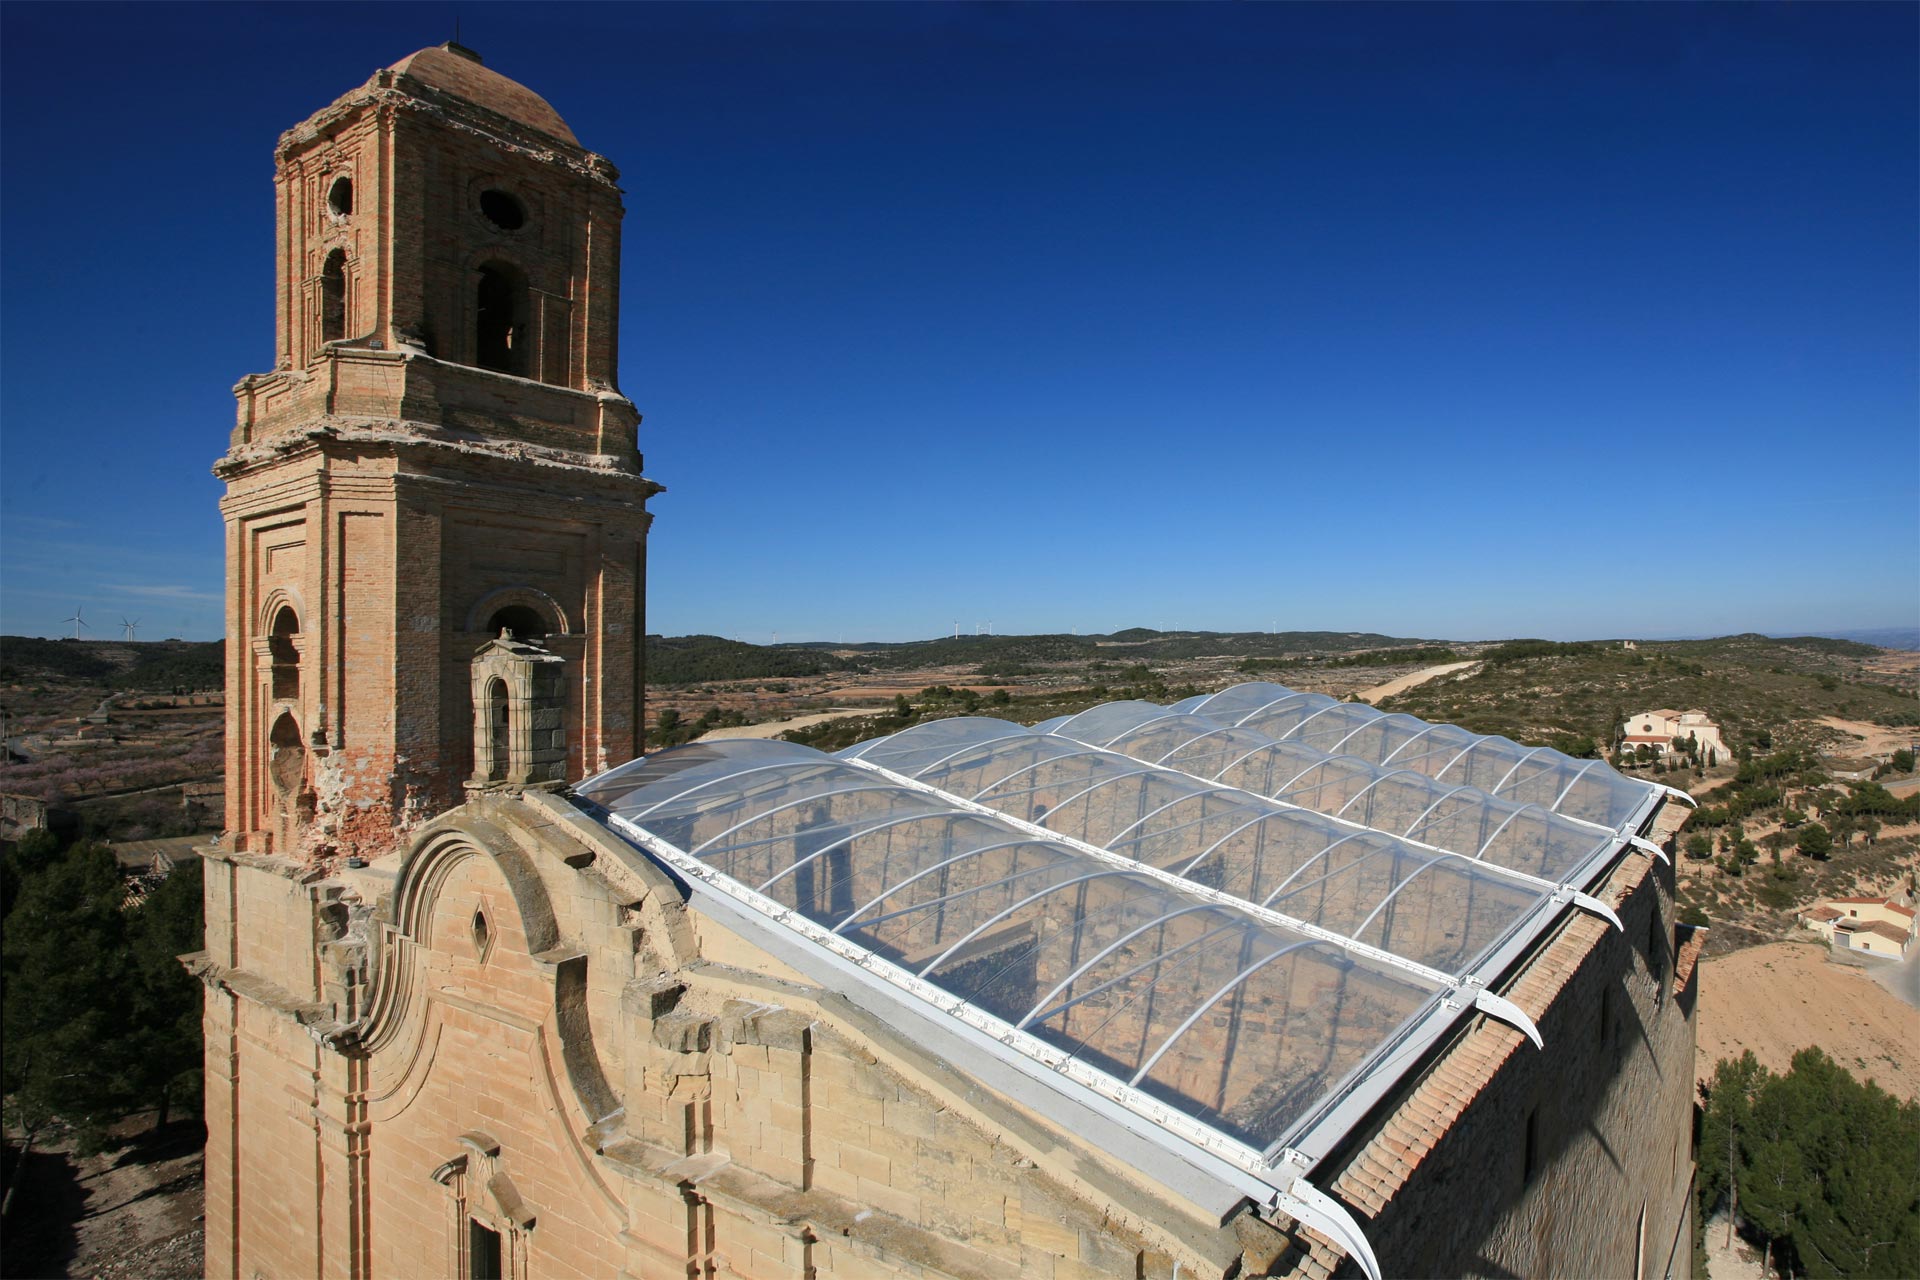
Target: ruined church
column 1256, row 984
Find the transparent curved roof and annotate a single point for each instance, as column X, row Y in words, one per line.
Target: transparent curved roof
column 1087, row 963
column 1425, row 905
column 1527, row 838
column 1240, row 919
column 1589, row 790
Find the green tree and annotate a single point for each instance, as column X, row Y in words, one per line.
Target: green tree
column 1725, row 1117
column 1699, row 847
column 68, row 1003
column 164, row 1030
column 1001, row 698
column 1815, row 840
column 1902, row 761
column 33, row 852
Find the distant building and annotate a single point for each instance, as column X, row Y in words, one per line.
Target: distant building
column 1849, row 769
column 1877, row 926
column 21, row 814
column 1658, row 729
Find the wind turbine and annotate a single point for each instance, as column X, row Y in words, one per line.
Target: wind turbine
column 77, row 621
column 129, row 624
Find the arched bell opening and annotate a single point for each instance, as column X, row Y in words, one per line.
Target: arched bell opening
column 285, row 656
column 333, row 297
column 501, row 310
column 524, row 621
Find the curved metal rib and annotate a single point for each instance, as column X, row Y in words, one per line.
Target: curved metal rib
column 1214, row 999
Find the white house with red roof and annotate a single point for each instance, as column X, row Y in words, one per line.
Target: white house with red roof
column 1877, row 926
column 1658, row 729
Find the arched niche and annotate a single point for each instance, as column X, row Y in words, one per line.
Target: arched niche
column 292, row 801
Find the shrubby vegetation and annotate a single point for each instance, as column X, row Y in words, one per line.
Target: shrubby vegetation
column 1525, row 650
column 183, row 665
column 1423, row 655
column 671, row 728
column 1820, row 1169
column 941, row 701
column 698, row 659
column 1530, row 690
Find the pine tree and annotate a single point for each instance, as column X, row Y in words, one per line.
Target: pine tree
column 165, row 1031
column 68, row 995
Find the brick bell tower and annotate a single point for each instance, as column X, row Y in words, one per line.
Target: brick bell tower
column 439, row 455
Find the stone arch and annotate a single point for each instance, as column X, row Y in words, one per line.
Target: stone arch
column 270, row 605
column 398, row 1008
column 488, row 607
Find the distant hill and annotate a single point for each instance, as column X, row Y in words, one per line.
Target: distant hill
column 1135, row 644
column 1754, row 686
column 115, row 664
column 1907, row 638
column 695, row 659
column 699, row 659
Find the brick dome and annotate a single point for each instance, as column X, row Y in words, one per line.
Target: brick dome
column 458, row 71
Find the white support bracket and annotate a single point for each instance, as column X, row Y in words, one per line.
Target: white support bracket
column 1677, row 794
column 1312, row 1207
column 1507, row 1011
column 1587, row 902
column 1649, row 848
column 1494, row 1006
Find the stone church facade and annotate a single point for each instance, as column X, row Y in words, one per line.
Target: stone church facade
column 456, row 1026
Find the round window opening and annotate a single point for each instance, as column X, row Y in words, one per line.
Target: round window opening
column 503, row 210
column 340, row 197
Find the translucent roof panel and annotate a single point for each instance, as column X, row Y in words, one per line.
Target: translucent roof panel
column 1229, row 1017
column 1589, row 790
column 1405, row 802
column 1428, row 906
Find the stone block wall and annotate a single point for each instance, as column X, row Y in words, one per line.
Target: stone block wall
column 1572, row 1160
column 554, row 1046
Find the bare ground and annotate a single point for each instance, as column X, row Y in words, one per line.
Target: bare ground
column 1413, row 678
column 1869, row 739
column 1786, row 996
column 133, row 1214
column 774, row 728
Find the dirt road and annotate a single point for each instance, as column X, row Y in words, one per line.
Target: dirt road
column 774, row 728
column 1407, row 682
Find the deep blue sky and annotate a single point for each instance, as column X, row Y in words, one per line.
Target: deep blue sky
column 1476, row 321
